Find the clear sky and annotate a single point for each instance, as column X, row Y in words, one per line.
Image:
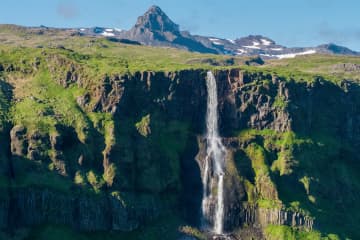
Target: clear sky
column 288, row 22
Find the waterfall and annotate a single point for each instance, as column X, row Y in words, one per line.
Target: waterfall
column 214, row 161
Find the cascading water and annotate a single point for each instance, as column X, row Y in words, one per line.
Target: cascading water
column 214, row 163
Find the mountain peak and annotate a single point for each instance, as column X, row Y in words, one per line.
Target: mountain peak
column 155, row 19
column 155, row 9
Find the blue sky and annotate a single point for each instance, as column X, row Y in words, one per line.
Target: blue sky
column 288, row 22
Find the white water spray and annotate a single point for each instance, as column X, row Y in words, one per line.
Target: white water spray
column 214, row 161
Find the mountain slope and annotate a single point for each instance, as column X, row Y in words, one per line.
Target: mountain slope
column 155, row 28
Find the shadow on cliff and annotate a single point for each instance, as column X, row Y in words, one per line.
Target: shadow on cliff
column 157, row 121
column 192, row 189
column 324, row 179
column 6, row 95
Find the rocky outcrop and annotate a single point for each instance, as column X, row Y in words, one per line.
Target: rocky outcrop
column 28, row 207
column 156, row 28
column 108, row 94
column 262, row 217
column 65, row 71
column 252, row 100
column 347, row 67
column 33, row 145
column 19, row 143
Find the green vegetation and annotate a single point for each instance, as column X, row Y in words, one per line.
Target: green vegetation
column 37, row 176
column 95, row 181
column 194, row 232
column 280, row 103
column 44, row 85
column 79, row 178
column 275, row 232
column 109, row 174
column 46, row 104
column 99, row 56
column 302, row 169
column 257, row 155
column 331, row 67
column 143, row 126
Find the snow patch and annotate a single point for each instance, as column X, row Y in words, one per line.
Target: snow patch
column 265, row 42
column 290, row 55
column 109, row 30
column 252, row 47
column 276, row 49
column 82, row 29
column 118, row 29
column 215, row 41
column 240, row 51
column 232, row 41
column 108, row 34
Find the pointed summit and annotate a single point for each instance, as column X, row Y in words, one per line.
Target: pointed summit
column 155, row 19
column 155, row 9
column 155, row 28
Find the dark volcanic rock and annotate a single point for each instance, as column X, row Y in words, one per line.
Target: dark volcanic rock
column 156, row 28
column 152, row 27
column 19, row 142
column 156, row 20
column 27, row 207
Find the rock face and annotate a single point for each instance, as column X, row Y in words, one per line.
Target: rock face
column 18, row 141
column 138, row 170
column 262, row 217
column 285, row 138
column 156, row 20
column 28, row 207
column 157, row 29
column 246, row 105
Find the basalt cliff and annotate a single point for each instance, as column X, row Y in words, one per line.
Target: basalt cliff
column 90, row 149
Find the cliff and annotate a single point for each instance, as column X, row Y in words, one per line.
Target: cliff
column 117, row 151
